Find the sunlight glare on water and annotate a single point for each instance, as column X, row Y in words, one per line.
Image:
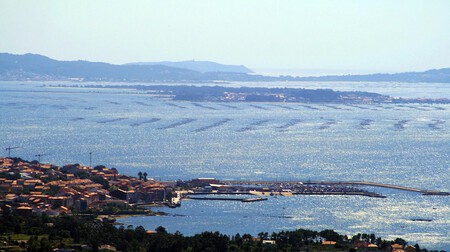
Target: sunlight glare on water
column 396, row 144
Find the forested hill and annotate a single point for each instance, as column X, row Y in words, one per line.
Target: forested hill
column 41, row 68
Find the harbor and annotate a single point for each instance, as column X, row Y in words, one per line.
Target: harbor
column 213, row 189
column 337, row 184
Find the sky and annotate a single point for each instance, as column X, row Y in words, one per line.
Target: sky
column 295, row 35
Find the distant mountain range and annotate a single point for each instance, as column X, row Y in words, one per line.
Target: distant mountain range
column 41, row 68
column 199, row 66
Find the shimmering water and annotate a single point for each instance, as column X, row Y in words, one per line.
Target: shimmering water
column 389, row 218
column 400, row 144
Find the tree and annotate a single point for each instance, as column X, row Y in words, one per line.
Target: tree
column 330, row 235
column 82, row 175
column 400, row 241
column 247, row 237
column 135, row 246
column 209, row 241
column 99, row 167
column 263, row 235
column 161, row 230
column 238, row 239
column 417, row 247
column 140, row 175
column 145, row 176
column 372, row 238
column 140, row 233
column 45, row 244
column 378, row 241
column 101, row 181
column 33, row 244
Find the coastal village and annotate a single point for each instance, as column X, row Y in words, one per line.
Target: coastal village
column 33, row 187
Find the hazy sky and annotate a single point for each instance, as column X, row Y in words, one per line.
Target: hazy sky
column 378, row 35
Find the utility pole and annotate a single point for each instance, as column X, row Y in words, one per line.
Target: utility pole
column 90, row 159
column 39, row 156
column 9, row 148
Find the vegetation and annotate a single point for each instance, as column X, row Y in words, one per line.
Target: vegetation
column 142, row 176
column 44, row 233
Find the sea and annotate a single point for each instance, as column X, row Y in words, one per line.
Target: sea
column 133, row 131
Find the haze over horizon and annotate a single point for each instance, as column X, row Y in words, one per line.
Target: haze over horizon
column 323, row 37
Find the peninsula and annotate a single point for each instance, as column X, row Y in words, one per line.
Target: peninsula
column 257, row 94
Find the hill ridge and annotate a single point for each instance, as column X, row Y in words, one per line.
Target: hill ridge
column 202, row 66
column 42, row 68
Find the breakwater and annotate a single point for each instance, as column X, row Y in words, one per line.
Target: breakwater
column 364, row 193
column 270, row 188
column 334, row 184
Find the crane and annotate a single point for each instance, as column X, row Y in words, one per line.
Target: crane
column 9, row 148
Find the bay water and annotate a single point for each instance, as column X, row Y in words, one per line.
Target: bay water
column 402, row 144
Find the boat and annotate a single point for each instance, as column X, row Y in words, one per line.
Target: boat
column 421, row 219
column 174, row 205
column 109, row 219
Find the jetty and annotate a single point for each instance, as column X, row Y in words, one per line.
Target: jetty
column 364, row 193
column 336, row 183
column 374, row 184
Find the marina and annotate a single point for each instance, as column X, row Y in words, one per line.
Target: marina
column 330, row 187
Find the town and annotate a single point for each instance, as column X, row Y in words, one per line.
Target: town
column 33, row 187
